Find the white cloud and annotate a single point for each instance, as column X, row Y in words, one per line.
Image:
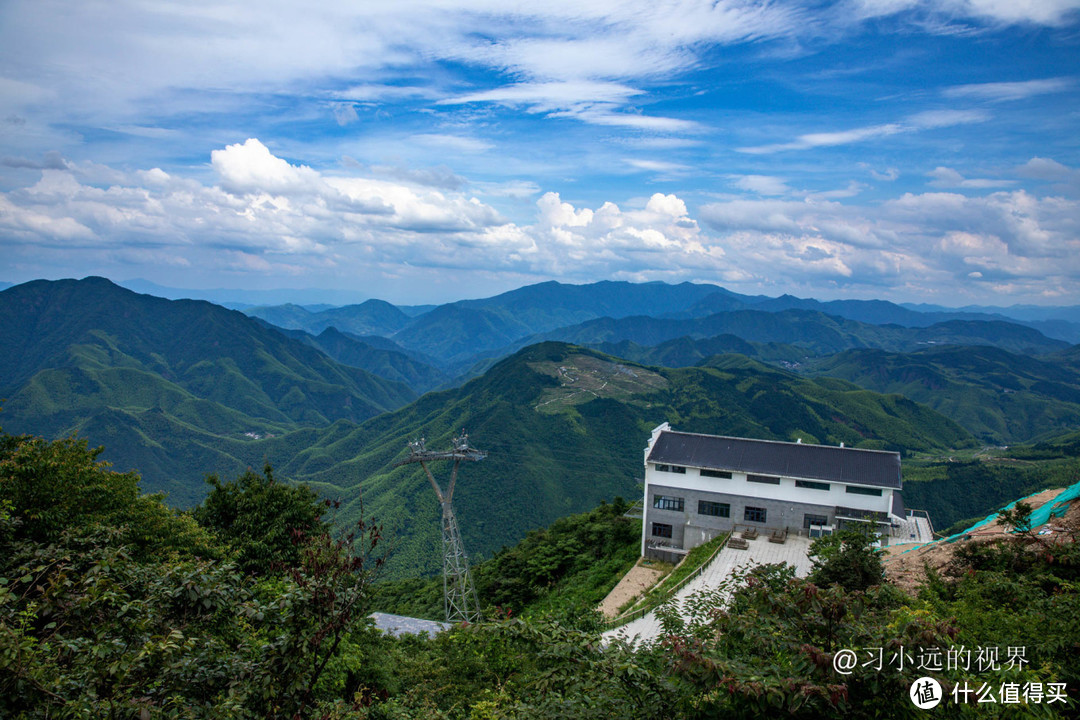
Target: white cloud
column 915, row 244
column 945, row 14
column 661, row 166
column 948, row 177
column 458, row 143
column 927, row 120
column 589, row 101
column 888, row 175
column 761, row 184
column 1006, row 91
column 251, row 167
column 276, row 218
column 826, row 139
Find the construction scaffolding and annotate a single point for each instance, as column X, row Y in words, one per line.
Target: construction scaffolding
column 460, row 603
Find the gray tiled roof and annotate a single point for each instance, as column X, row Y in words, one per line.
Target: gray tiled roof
column 770, row 457
column 402, row 625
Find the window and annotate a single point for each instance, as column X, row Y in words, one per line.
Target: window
column 723, row 474
column 667, row 502
column 811, row 485
column 716, row 509
column 672, row 469
column 856, row 490
column 661, row 530
column 754, row 514
column 768, row 479
column 808, row 520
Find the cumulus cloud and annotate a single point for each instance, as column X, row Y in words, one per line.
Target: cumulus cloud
column 250, row 166
column 266, row 215
column 918, row 243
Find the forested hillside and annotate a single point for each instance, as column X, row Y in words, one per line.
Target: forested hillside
column 1000, row 397
column 564, row 429
column 113, row 605
column 175, row 387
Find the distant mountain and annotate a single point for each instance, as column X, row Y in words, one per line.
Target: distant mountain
column 180, row 379
column 564, row 427
column 1036, row 313
column 550, row 305
column 373, row 317
column 998, row 396
column 458, row 334
column 454, row 334
column 237, row 297
column 377, row 355
column 874, row 312
column 467, row 334
column 817, row 333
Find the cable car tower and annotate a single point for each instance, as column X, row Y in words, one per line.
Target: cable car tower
column 459, row 595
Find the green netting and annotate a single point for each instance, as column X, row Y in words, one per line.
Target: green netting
column 1039, row 516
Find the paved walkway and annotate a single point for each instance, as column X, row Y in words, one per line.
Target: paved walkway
column 761, row 552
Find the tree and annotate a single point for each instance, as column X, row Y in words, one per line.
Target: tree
column 256, row 516
column 848, row 558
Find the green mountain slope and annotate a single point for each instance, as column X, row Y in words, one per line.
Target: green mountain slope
column 189, row 375
column 686, row 351
column 564, row 428
column 998, row 396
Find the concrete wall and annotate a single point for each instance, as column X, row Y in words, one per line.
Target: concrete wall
column 690, row 529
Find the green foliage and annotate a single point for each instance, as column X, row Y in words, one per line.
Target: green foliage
column 565, row 569
column 1018, row 517
column 770, row 653
column 94, row 625
column 123, row 610
column 260, row 519
column 1022, row 592
column 848, row 559
column 57, row 487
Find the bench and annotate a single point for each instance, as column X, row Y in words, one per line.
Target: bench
column 778, row 536
column 738, row 543
column 749, row 534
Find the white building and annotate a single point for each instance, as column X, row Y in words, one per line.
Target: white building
column 697, row 486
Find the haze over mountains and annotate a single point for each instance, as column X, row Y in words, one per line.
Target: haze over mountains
column 330, row 396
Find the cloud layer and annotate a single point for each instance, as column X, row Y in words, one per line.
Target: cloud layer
column 266, row 215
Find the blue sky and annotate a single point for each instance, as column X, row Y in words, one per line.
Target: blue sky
column 427, row 151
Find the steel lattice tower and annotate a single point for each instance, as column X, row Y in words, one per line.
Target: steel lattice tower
column 459, row 595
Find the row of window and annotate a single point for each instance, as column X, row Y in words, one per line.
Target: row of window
column 751, row 514
column 772, row 480
column 704, row 507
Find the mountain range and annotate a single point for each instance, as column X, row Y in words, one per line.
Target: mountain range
column 179, row 389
